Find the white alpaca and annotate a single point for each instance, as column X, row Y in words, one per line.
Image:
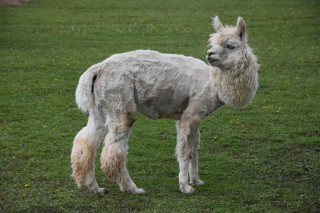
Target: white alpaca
column 159, row 86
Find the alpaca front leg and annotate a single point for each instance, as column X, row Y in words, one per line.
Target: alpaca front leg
column 193, row 170
column 193, row 167
column 183, row 176
column 186, row 139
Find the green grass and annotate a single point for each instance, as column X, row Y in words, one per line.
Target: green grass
column 264, row 158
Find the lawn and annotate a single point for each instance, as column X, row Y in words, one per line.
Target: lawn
column 263, row 158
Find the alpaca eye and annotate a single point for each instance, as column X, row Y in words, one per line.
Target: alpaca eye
column 230, row 47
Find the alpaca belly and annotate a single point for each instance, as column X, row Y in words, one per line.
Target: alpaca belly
column 163, row 104
column 161, row 111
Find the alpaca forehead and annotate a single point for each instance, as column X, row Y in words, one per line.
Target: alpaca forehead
column 224, row 35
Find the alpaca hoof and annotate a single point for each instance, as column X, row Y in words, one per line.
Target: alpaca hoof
column 187, row 189
column 137, row 191
column 140, row 191
column 100, row 191
column 94, row 188
column 104, row 191
column 197, row 183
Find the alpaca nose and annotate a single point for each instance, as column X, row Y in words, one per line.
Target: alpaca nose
column 212, row 56
column 211, row 53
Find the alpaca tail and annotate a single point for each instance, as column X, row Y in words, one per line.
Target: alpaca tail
column 85, row 90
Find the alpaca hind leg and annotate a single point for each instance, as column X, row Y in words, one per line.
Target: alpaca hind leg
column 84, row 151
column 193, row 167
column 114, row 154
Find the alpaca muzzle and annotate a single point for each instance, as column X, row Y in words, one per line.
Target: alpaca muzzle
column 212, row 58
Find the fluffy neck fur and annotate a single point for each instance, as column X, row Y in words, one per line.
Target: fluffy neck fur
column 237, row 86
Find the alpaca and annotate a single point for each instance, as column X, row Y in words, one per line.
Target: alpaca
column 159, row 86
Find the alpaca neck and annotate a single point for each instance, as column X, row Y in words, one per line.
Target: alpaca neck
column 237, row 86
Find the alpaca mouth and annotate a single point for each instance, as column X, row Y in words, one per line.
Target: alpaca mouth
column 212, row 60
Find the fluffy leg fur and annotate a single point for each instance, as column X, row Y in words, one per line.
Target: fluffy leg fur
column 193, row 167
column 186, row 139
column 84, row 151
column 113, row 157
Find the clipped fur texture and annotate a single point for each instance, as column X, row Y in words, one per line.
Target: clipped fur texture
column 160, row 86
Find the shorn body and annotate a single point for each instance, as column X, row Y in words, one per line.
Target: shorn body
column 159, row 86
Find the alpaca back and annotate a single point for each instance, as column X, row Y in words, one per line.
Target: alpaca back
column 160, row 85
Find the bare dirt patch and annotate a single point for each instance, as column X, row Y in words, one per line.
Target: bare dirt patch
column 13, row 2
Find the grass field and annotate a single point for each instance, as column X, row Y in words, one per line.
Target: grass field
column 264, row 158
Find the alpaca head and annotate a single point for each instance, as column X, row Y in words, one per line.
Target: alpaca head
column 227, row 44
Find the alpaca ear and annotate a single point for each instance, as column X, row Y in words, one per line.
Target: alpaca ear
column 217, row 24
column 241, row 28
